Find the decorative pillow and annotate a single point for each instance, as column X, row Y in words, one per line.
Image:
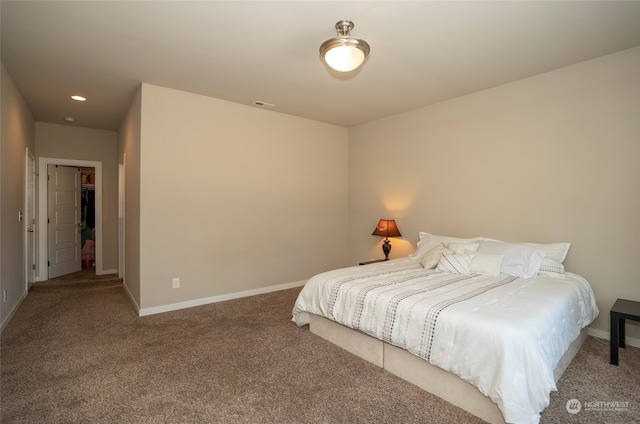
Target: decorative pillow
column 430, row 259
column 454, row 264
column 551, row 268
column 429, row 241
column 462, row 248
column 485, row 263
column 519, row 260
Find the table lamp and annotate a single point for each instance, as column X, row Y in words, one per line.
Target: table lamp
column 386, row 228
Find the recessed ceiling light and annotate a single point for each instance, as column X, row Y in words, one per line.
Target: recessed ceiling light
column 68, row 119
column 79, row 98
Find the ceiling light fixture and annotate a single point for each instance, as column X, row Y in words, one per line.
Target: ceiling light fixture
column 79, row 98
column 344, row 53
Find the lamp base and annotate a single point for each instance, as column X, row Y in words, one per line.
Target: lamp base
column 386, row 248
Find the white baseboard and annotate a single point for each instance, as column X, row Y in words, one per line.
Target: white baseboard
column 215, row 299
column 601, row 334
column 13, row 311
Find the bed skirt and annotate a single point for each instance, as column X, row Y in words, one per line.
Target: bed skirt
column 417, row 371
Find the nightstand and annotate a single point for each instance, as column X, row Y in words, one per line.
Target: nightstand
column 621, row 310
column 373, row 261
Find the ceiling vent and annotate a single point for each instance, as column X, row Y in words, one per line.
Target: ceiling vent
column 263, row 104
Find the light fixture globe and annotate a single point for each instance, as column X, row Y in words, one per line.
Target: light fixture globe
column 344, row 53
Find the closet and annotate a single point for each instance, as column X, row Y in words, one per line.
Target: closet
column 88, row 216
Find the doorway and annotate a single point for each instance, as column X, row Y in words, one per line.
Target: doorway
column 42, row 233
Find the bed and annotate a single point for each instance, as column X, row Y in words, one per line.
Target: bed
column 487, row 325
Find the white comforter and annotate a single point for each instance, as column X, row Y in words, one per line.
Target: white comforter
column 502, row 334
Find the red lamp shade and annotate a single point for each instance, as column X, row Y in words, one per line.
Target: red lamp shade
column 386, row 228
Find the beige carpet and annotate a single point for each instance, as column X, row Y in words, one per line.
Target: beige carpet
column 76, row 353
column 85, row 275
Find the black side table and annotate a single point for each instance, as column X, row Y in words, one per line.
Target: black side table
column 373, row 261
column 621, row 310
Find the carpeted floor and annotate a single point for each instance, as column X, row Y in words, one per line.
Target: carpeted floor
column 85, row 275
column 77, row 353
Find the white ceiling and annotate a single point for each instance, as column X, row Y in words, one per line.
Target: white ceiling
column 422, row 52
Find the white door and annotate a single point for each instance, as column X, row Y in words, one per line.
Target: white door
column 30, row 222
column 64, row 220
column 121, row 225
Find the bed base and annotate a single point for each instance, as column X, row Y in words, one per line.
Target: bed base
column 417, row 371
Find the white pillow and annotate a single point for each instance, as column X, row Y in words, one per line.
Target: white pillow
column 429, row 241
column 556, row 251
column 454, row 264
column 485, row 263
column 519, row 260
column 430, row 259
column 462, row 248
column 551, row 268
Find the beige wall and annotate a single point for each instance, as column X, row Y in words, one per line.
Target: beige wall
column 235, row 198
column 546, row 159
column 129, row 156
column 85, row 144
column 16, row 136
